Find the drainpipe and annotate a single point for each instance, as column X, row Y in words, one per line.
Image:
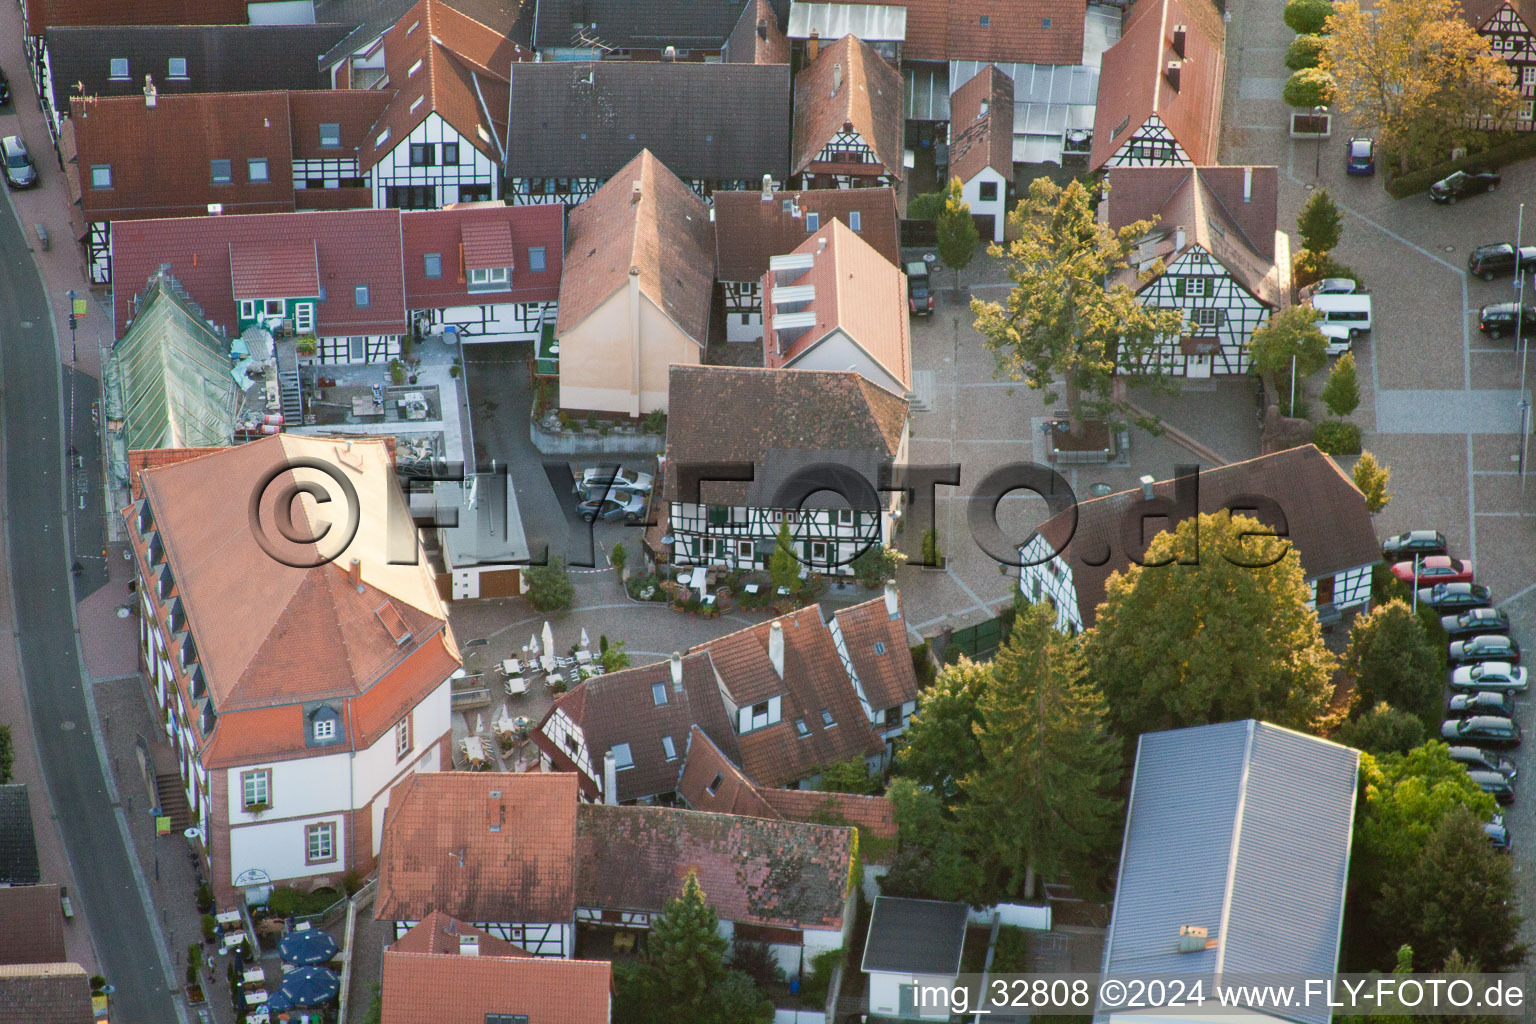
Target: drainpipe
column 634, row 340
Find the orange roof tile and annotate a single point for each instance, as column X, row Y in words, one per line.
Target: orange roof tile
column 522, row 872
column 876, row 814
column 980, row 136
column 440, row 933
column 733, row 794
column 468, row 989
column 859, row 293
column 885, row 671
column 287, row 269
column 848, row 84
column 150, row 458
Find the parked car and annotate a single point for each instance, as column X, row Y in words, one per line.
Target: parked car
column 919, row 289
column 1339, row 339
column 1500, row 318
column 629, row 508
column 1461, row 185
column 1414, row 542
column 1481, row 702
column 20, row 171
column 1486, row 730
column 603, row 478
column 1362, row 156
column 1489, row 675
column 1497, row 833
column 1478, row 759
column 1496, row 785
column 1435, row 569
column 1485, row 648
column 1329, row 286
column 5, row 89
column 1475, row 622
column 1444, row 597
column 1490, row 261
column 1352, row 310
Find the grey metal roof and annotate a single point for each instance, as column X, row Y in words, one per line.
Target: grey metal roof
column 220, row 58
column 927, row 89
column 1048, row 100
column 873, row 23
column 1242, row 828
column 640, row 24
column 915, row 936
column 703, row 121
column 18, row 845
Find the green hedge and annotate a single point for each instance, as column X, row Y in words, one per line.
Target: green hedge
column 1335, row 437
column 1309, row 87
column 1305, row 51
column 1305, row 17
column 1507, row 151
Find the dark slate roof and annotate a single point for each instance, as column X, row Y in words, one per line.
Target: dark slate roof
column 33, row 929
column 641, row 24
column 915, row 936
column 217, row 56
column 711, row 121
column 45, row 994
column 372, row 18
column 785, row 874
column 1242, row 828
column 1326, row 519
column 18, row 845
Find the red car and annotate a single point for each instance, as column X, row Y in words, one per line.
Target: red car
column 1435, row 569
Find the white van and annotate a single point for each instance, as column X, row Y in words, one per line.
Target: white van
column 1348, row 311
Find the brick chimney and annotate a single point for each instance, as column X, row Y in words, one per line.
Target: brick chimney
column 762, row 28
column 355, row 573
column 677, row 672
column 776, row 648
column 1172, row 74
column 812, row 47
column 636, row 190
column 1180, row 34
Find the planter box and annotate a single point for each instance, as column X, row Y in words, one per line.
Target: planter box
column 1310, row 126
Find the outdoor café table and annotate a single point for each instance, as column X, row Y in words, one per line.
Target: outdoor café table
column 584, row 657
column 474, row 749
column 517, row 686
column 229, row 918
column 233, row 939
column 555, row 678
column 512, row 667
column 257, row 998
column 254, row 976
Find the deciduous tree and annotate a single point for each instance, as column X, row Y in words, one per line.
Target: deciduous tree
column 1372, row 479
column 1215, row 626
column 956, row 230
column 1290, row 333
column 1043, row 800
column 1417, row 74
column 1069, row 316
column 941, row 747
column 1318, row 223
column 783, row 566
column 1383, row 729
column 549, row 586
column 850, row 776
column 1342, row 392
column 1391, row 659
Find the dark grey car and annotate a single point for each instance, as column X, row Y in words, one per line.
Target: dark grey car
column 20, row 172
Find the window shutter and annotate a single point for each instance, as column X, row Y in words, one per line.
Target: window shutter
column 1221, row 318
column 1178, row 287
column 719, row 515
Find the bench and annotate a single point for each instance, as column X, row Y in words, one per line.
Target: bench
column 65, row 904
column 42, row 237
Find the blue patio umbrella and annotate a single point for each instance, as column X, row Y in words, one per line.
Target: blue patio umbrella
column 307, row 986
column 311, row 946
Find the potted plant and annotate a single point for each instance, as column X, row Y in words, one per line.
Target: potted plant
column 210, row 929
column 194, row 990
column 257, row 809
column 397, row 372
column 306, row 347
column 204, row 897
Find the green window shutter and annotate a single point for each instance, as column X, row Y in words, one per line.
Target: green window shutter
column 719, row 515
column 1178, row 287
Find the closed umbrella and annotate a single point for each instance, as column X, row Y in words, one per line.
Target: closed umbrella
column 533, row 646
column 312, row 946
column 549, row 639
column 585, row 643
column 309, row 986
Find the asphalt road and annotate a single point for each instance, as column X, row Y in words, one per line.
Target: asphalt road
column 51, row 670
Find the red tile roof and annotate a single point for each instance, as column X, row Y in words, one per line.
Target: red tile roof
column 441, row 232
column 353, row 111
column 982, row 137
column 58, row 993
column 45, row 14
column 458, row 67
column 487, row 243
column 272, row 634
column 874, row 814
column 848, row 84
column 887, row 676
column 286, row 269
column 522, row 872
column 440, row 933
column 783, row 874
column 1024, row 31
column 661, row 228
column 161, row 156
column 757, row 38
column 750, row 230
column 150, row 458
column 1134, row 86
column 733, row 794
column 468, row 989
column 354, row 247
column 860, row 295
column 33, row 929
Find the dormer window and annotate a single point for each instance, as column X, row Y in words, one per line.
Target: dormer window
column 325, row 729
column 826, row 719
column 146, row 518
column 714, row 786
column 659, row 693
column 167, row 584
column 812, row 221
column 491, row 279
column 209, row 720
column 188, row 651
column 197, row 684
column 801, row 729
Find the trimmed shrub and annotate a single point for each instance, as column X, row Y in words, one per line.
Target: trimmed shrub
column 1506, row 149
column 1306, row 17
column 1305, row 51
column 1309, row 87
column 1335, row 437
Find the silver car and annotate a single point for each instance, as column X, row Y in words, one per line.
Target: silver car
column 1489, row 675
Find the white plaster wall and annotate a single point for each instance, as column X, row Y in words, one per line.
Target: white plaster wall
column 998, row 207
column 279, row 848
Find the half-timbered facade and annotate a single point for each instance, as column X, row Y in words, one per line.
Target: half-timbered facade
column 1315, row 505
column 1160, row 88
column 1223, row 262
column 848, row 121
column 730, row 414
column 287, row 764
column 1510, row 28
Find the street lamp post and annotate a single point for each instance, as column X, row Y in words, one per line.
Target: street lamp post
column 1318, row 113
column 73, row 351
column 1291, row 409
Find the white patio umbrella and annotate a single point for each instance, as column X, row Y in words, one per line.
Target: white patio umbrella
column 479, row 723
column 549, row 638
column 533, row 646
column 701, row 580
column 585, row 643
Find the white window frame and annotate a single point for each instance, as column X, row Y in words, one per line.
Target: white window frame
column 247, row 309
column 669, row 748
column 812, row 221
column 709, row 547
column 623, row 757
column 1528, row 75
column 97, row 178
column 117, row 67
column 825, row 555
column 273, row 307
column 252, row 165
column 845, row 517
column 1204, row 317
column 490, row 279
column 1196, row 287
column 746, row 549
column 658, row 694
column 325, row 729
column 538, row 260
column 403, row 741
column 325, row 849
column 304, row 317
column 854, row 219
column 256, row 787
